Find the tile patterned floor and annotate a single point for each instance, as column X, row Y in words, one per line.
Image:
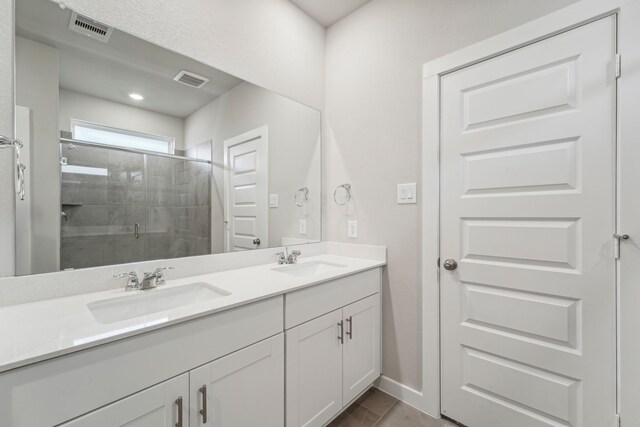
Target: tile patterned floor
column 376, row 408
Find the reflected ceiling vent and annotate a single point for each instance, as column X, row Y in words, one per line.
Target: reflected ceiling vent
column 89, row 27
column 190, row 79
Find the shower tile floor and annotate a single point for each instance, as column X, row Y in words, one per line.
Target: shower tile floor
column 377, row 409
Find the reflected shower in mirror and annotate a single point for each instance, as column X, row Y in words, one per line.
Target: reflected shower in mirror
column 134, row 152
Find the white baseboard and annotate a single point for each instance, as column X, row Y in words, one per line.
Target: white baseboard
column 402, row 392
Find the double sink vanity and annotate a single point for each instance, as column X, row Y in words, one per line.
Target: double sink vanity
column 267, row 344
column 169, row 268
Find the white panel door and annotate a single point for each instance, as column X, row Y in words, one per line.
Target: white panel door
column 245, row 388
column 246, row 198
column 314, row 371
column 361, row 349
column 527, row 211
column 157, row 406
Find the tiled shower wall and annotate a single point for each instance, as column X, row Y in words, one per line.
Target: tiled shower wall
column 168, row 198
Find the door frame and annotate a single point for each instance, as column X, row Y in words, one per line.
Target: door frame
column 585, row 11
column 261, row 132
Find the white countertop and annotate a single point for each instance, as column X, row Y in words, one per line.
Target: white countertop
column 41, row 330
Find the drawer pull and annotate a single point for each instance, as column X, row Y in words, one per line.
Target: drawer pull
column 203, row 411
column 341, row 334
column 350, row 330
column 179, row 403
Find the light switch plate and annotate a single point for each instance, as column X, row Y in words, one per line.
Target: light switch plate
column 303, row 227
column 407, row 193
column 273, row 200
column 352, row 229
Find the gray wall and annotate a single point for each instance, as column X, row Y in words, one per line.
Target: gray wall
column 372, row 131
column 37, row 89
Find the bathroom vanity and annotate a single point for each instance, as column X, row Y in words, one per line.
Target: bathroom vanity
column 149, row 160
column 244, row 345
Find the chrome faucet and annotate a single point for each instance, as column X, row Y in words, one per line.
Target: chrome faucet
column 288, row 258
column 132, row 280
column 149, row 281
column 152, row 280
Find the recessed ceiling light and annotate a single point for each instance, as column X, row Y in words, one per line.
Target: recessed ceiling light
column 136, row 96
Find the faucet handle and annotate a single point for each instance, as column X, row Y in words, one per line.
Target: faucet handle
column 160, row 275
column 132, row 280
column 293, row 256
column 282, row 259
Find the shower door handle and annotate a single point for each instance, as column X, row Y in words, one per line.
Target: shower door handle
column 136, row 230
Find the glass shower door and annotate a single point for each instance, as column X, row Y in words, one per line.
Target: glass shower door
column 103, row 206
column 178, row 207
column 120, row 207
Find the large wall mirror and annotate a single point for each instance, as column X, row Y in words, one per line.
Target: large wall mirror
column 134, row 152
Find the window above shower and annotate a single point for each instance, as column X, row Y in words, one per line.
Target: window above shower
column 135, row 152
column 114, row 137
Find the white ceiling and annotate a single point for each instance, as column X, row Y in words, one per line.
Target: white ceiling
column 327, row 12
column 123, row 65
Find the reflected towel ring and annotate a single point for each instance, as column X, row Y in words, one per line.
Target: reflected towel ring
column 342, row 194
column 301, row 197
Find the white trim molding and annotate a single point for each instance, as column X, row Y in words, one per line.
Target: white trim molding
column 555, row 23
column 400, row 391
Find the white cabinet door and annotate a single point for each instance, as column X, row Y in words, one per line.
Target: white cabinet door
column 314, row 371
column 157, row 406
column 245, row 388
column 361, row 350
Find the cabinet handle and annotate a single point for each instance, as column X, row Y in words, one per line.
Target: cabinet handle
column 341, row 334
column 203, row 411
column 350, row 330
column 179, row 403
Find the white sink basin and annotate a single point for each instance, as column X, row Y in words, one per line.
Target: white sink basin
column 311, row 268
column 153, row 301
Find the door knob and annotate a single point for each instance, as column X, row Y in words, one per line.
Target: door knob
column 450, row 264
column 256, row 241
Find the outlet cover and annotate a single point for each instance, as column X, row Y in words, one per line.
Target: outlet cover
column 273, row 200
column 407, row 194
column 352, row 229
column 303, row 227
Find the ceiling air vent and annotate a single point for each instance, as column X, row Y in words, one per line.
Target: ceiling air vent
column 89, row 27
column 191, row 79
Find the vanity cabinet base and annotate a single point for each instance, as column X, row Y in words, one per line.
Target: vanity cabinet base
column 58, row 390
column 331, row 360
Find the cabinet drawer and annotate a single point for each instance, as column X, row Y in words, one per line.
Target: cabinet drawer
column 57, row 390
column 306, row 304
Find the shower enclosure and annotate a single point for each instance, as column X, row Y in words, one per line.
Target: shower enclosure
column 121, row 205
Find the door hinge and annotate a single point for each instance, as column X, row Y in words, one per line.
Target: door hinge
column 616, row 244
column 618, row 65
column 616, row 421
